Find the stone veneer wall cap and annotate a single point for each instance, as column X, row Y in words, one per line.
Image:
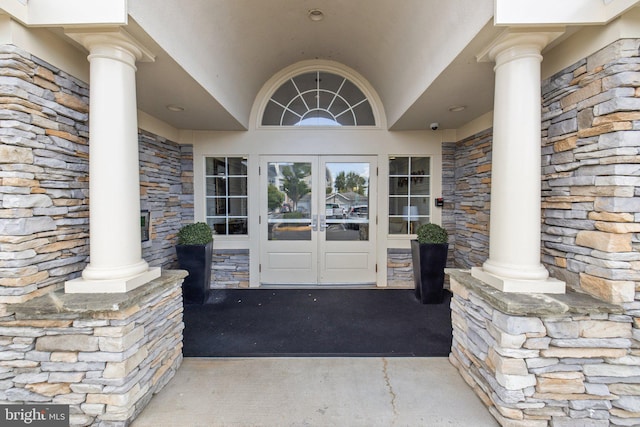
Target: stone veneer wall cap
column 60, row 305
column 533, row 304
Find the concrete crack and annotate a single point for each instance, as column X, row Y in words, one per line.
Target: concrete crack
column 391, row 392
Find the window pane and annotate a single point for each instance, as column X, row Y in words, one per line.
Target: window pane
column 237, row 226
column 237, row 186
column 399, row 166
column 420, row 166
column 398, row 186
column 237, row 166
column 216, row 186
column 216, row 206
column 216, row 166
column 422, row 203
column 238, row 207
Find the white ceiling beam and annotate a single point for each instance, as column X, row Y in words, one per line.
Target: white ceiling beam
column 563, row 12
column 53, row 13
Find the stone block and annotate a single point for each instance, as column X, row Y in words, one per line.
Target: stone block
column 12, row 154
column 607, row 370
column 122, row 369
column 617, row 227
column 582, row 422
column 592, row 89
column 561, row 382
column 604, row 329
column 614, row 291
column 619, row 204
column 592, row 343
column 537, row 343
column 606, row 242
column 507, row 365
column 628, row 403
column 507, row 422
column 115, row 344
column 562, row 329
column 516, row 325
column 625, row 389
column 10, row 201
column 121, row 399
column 26, row 226
column 515, row 382
column 49, row 389
column 583, row 353
column 67, row 343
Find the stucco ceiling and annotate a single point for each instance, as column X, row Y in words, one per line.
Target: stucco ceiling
column 214, row 56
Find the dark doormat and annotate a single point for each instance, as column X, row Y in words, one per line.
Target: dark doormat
column 322, row 322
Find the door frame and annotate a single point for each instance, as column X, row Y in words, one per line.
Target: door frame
column 318, row 261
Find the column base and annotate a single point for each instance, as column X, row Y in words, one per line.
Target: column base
column 504, row 284
column 83, row 286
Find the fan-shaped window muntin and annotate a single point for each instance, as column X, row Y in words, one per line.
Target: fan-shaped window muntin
column 318, row 99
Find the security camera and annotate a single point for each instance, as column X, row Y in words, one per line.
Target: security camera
column 434, row 126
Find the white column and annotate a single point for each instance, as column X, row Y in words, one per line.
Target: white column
column 115, row 263
column 514, row 235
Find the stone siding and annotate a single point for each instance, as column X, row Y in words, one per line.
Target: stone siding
column 44, row 167
column 449, row 196
column 472, row 200
column 571, row 361
column 161, row 193
column 103, row 355
column 44, row 180
column 399, row 268
column 230, row 268
column 591, row 173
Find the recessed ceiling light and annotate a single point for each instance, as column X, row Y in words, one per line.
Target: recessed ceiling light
column 175, row 108
column 457, row 108
column 315, row 15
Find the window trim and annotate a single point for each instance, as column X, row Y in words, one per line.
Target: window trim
column 407, row 235
column 227, row 197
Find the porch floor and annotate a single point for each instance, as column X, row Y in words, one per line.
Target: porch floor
column 323, row 392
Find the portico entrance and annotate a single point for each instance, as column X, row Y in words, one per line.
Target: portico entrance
column 317, row 220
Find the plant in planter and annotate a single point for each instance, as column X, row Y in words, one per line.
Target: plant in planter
column 429, row 255
column 195, row 252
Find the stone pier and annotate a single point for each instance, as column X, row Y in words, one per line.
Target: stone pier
column 105, row 355
column 540, row 360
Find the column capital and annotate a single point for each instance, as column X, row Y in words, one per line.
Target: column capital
column 114, row 43
column 518, row 42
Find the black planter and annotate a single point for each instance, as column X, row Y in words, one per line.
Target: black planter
column 196, row 259
column 429, row 261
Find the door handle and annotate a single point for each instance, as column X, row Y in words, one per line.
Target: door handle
column 323, row 223
column 314, row 223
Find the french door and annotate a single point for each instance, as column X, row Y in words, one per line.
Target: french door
column 317, row 220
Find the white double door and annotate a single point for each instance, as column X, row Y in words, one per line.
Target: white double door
column 317, row 220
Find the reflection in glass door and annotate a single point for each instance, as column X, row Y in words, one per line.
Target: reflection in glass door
column 317, row 227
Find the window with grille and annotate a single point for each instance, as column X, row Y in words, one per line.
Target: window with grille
column 409, row 193
column 226, row 194
column 318, row 99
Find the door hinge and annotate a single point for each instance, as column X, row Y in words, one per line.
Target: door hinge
column 259, row 170
column 259, row 268
column 376, row 171
column 259, row 219
column 376, row 267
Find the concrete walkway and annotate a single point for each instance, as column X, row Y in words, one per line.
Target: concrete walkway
column 283, row 392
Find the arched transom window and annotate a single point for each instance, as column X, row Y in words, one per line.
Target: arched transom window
column 318, row 98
